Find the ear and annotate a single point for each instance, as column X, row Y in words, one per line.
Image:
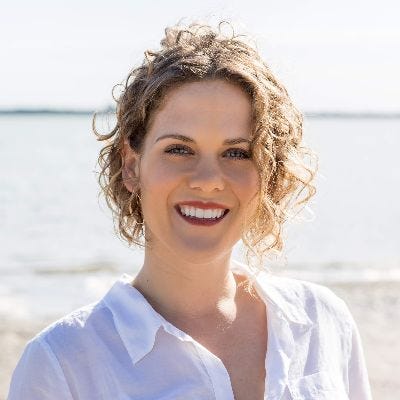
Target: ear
column 130, row 167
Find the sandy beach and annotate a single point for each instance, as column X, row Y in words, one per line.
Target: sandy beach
column 375, row 307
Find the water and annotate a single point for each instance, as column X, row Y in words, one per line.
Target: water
column 54, row 230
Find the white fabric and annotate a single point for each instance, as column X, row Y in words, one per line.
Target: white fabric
column 121, row 348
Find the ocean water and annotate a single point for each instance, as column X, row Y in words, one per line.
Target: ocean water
column 57, row 238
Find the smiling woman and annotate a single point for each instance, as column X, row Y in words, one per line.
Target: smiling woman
column 206, row 151
column 208, row 161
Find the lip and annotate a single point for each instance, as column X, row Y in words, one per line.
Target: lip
column 203, row 205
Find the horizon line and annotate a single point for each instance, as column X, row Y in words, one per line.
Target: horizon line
column 307, row 114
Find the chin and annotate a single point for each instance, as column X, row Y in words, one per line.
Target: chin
column 198, row 251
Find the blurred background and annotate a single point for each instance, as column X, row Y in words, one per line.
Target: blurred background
column 60, row 60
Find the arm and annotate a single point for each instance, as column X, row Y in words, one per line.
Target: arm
column 38, row 375
column 359, row 386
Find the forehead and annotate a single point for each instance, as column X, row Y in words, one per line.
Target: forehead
column 214, row 106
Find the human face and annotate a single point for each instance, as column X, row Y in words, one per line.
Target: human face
column 187, row 157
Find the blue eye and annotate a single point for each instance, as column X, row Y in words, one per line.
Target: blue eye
column 181, row 150
column 178, row 149
column 239, row 154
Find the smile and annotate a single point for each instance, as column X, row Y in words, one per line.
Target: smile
column 197, row 216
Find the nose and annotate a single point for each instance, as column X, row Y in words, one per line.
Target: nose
column 207, row 176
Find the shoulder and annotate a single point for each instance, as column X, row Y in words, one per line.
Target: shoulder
column 52, row 352
column 70, row 341
column 319, row 297
column 77, row 323
column 319, row 303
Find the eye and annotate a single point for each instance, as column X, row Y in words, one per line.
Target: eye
column 178, row 149
column 238, row 154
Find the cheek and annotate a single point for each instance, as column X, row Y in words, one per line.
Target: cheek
column 245, row 179
column 157, row 179
column 249, row 193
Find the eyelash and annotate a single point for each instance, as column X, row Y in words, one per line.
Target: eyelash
column 170, row 150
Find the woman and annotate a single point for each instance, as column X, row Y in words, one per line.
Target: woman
column 206, row 151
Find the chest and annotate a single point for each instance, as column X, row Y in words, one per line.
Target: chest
column 242, row 350
column 241, row 346
column 245, row 364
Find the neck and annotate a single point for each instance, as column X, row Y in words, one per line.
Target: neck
column 179, row 289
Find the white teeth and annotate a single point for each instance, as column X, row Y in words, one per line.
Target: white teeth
column 208, row 214
column 201, row 213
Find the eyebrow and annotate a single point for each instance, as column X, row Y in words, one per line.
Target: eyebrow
column 184, row 138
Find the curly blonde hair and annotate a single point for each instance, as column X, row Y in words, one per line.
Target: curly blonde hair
column 193, row 53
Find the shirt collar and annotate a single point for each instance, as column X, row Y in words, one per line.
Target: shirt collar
column 138, row 323
column 135, row 319
column 280, row 292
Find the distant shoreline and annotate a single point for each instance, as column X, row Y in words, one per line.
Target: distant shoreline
column 313, row 115
column 45, row 111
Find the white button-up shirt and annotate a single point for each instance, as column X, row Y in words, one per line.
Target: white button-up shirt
column 121, row 348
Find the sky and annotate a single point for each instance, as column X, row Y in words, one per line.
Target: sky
column 331, row 56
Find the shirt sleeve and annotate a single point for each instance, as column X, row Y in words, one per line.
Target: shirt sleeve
column 38, row 375
column 359, row 386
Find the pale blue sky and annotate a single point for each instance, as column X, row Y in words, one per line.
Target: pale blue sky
column 342, row 55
